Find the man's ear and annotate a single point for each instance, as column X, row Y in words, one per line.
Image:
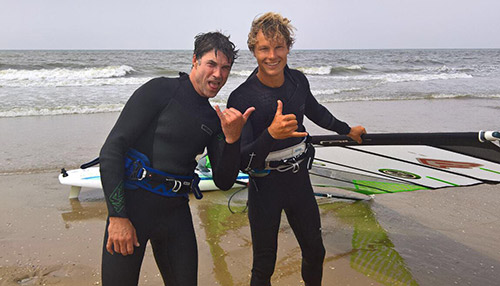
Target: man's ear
column 195, row 61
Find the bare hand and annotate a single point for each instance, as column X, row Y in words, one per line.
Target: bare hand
column 232, row 122
column 121, row 236
column 356, row 133
column 284, row 126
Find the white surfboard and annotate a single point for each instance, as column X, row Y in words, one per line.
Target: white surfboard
column 393, row 168
column 91, row 178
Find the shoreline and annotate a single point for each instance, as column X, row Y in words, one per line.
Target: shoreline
column 52, row 142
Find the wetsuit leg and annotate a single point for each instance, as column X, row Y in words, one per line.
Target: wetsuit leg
column 264, row 213
column 154, row 217
column 304, row 219
column 174, row 247
column 120, row 270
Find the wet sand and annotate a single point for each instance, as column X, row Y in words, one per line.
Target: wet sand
column 433, row 237
column 48, row 239
column 437, row 237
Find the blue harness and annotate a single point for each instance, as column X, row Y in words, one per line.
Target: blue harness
column 139, row 174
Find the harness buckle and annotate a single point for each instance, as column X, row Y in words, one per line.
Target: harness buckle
column 177, row 186
column 143, row 175
column 139, row 172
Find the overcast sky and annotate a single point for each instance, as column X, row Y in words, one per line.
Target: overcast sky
column 321, row 24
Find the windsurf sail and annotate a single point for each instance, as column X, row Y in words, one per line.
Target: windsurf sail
column 400, row 162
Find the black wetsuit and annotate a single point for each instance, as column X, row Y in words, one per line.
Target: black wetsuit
column 278, row 191
column 169, row 122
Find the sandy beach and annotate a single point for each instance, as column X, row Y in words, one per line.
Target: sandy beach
column 433, row 237
column 440, row 237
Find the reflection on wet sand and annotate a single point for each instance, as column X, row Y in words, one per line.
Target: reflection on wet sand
column 217, row 221
column 372, row 251
column 85, row 211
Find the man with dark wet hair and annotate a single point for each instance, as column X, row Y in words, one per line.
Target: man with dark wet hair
column 275, row 152
column 148, row 165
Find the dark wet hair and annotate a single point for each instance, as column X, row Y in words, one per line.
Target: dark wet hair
column 205, row 42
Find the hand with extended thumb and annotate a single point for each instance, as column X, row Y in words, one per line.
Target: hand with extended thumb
column 284, row 125
column 232, row 122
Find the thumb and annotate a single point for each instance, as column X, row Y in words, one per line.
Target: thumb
column 248, row 112
column 279, row 109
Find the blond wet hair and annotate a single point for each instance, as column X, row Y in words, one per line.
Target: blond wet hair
column 274, row 27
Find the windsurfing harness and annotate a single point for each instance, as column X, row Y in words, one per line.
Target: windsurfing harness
column 286, row 159
column 139, row 174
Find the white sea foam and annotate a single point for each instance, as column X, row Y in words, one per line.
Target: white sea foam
column 354, row 67
column 425, row 77
column 33, row 111
column 322, row 97
column 405, row 77
column 402, row 97
column 323, row 70
column 333, row 91
column 96, row 76
column 241, row 73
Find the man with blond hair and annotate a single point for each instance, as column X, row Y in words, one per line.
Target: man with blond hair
column 275, row 151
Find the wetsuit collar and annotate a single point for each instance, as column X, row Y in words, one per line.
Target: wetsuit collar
column 184, row 77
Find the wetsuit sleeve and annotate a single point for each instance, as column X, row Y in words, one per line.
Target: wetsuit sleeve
column 224, row 159
column 254, row 150
column 135, row 117
column 318, row 114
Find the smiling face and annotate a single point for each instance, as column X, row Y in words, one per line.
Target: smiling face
column 271, row 57
column 210, row 73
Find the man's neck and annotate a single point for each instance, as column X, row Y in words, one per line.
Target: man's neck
column 274, row 81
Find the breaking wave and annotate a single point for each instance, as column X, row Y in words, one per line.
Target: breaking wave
column 60, row 110
column 94, row 76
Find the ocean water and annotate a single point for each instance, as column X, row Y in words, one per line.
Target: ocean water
column 57, row 107
column 41, row 83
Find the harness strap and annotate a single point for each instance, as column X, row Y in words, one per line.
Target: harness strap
column 138, row 174
column 306, row 153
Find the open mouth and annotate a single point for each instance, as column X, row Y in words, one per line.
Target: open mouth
column 214, row 85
